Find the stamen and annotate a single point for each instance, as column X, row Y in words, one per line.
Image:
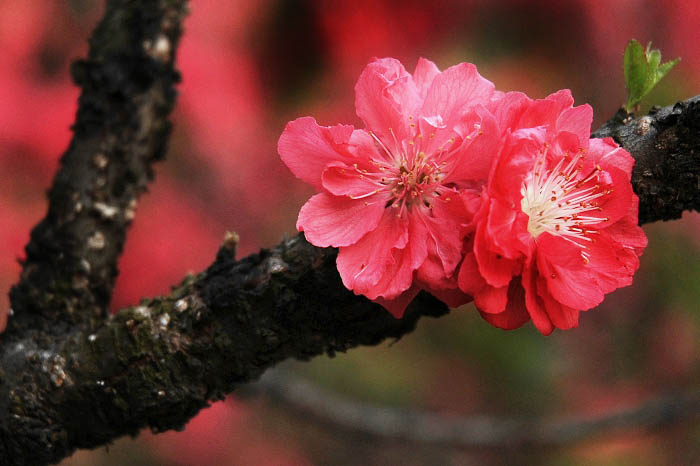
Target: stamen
column 555, row 200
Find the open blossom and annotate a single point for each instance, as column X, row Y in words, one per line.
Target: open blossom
column 556, row 228
column 388, row 195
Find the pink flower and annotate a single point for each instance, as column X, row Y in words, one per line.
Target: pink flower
column 557, row 225
column 388, row 194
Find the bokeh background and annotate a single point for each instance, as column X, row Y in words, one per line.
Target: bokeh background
column 248, row 67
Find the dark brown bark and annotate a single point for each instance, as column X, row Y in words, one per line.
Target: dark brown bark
column 666, row 147
column 120, row 129
column 73, row 378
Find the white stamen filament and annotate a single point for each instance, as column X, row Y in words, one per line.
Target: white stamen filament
column 555, row 200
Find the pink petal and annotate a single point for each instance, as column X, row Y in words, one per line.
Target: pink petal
column 444, row 241
column 491, row 300
column 611, row 155
column 454, row 91
column 345, row 180
column 562, row 316
column 612, row 265
column 627, row 233
column 452, row 297
column 509, row 109
column 306, row 148
column 397, row 306
column 328, row 220
column 617, row 204
column 577, row 120
column 496, row 269
column 513, row 165
column 469, row 279
column 424, row 75
column 568, row 280
column 472, row 161
column 507, row 229
column 397, row 277
column 385, row 97
column 364, row 263
column 534, row 304
column 515, row 313
column 545, row 112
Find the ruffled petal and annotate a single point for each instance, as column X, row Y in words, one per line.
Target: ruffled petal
column 534, row 304
column 452, row 297
column 328, row 220
column 424, row 75
column 472, row 161
column 608, row 153
column 568, row 279
column 456, row 90
column 496, row 269
column 616, row 204
column 515, row 313
column 345, row 180
column 577, row 120
column 385, row 97
column 397, row 306
column 396, row 279
column 509, row 109
column 562, row 316
column 514, row 164
column 444, row 241
column 306, row 148
column 492, row 300
column 363, row 264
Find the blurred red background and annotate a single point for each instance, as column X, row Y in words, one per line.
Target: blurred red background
column 250, row 66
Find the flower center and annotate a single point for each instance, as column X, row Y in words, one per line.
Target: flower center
column 409, row 175
column 557, row 200
column 412, row 181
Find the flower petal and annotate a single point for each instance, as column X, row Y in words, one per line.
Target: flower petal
column 469, row 279
column 306, row 148
column 385, row 97
column 568, row 280
column 562, row 316
column 533, row 302
column 328, row 220
column 397, row 306
column 472, row 161
column 345, row 180
column 577, row 120
column 452, row 297
column 492, row 300
column 423, row 75
column 456, row 90
column 515, row 313
column 363, row 264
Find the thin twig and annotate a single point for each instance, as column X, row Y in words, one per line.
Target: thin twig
column 423, row 427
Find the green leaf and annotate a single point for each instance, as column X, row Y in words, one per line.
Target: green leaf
column 643, row 71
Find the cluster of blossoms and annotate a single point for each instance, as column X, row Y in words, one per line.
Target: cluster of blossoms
column 469, row 193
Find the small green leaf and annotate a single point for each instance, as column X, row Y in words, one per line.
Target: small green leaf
column 635, row 73
column 665, row 68
column 643, row 71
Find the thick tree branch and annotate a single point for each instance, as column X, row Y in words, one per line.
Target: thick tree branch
column 65, row 386
column 418, row 426
column 666, row 147
column 121, row 128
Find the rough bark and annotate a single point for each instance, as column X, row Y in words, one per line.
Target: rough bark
column 665, row 145
column 121, row 128
column 71, row 377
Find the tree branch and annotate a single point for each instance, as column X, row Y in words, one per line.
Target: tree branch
column 666, row 147
column 72, row 378
column 121, row 128
column 418, row 426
